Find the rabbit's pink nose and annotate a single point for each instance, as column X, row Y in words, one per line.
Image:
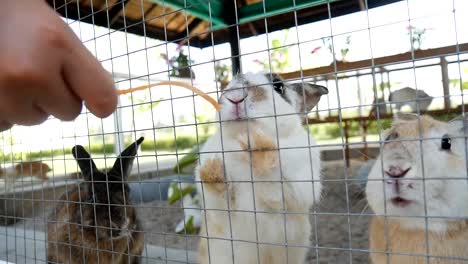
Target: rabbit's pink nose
column 396, row 172
column 236, row 101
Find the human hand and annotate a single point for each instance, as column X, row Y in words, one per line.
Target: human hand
column 45, row 70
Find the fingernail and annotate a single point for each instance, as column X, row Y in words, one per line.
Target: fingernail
column 104, row 107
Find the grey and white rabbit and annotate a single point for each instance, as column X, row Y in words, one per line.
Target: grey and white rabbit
column 95, row 221
column 411, row 97
column 259, row 174
column 418, row 189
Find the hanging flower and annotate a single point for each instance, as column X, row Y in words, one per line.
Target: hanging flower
column 179, row 46
column 259, row 62
column 315, row 50
column 417, row 36
column 170, row 61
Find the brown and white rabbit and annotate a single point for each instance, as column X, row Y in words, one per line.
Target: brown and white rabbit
column 414, row 180
column 95, row 222
column 259, row 174
column 26, row 169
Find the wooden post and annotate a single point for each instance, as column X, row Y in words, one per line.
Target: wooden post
column 364, row 138
column 445, row 82
column 346, row 134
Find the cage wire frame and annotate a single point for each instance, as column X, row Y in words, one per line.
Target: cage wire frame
column 318, row 250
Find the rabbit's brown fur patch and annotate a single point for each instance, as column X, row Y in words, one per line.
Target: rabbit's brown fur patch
column 212, row 172
column 263, row 152
column 257, row 93
column 403, row 243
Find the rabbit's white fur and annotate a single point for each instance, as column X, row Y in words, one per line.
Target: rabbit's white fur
column 443, row 199
column 253, row 188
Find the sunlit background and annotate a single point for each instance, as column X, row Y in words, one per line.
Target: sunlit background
column 164, row 114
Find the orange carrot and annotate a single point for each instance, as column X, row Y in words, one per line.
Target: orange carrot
column 177, row 83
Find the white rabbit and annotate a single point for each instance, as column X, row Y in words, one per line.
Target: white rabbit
column 414, row 180
column 256, row 197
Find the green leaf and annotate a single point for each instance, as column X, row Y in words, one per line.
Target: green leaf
column 275, row 43
column 465, row 85
column 348, row 39
column 456, row 83
column 190, row 189
column 187, row 160
column 144, row 104
column 189, row 227
column 176, row 193
column 344, row 52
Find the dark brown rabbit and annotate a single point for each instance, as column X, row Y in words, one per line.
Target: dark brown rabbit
column 95, row 222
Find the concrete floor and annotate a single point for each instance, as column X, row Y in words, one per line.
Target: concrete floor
column 22, row 246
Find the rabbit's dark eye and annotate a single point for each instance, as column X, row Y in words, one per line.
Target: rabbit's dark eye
column 393, row 135
column 279, row 87
column 446, row 142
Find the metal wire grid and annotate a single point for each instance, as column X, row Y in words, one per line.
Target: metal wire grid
column 318, row 249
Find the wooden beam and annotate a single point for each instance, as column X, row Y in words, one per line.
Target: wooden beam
column 194, row 24
column 362, row 5
column 205, row 10
column 147, row 12
column 381, row 61
column 184, row 36
column 115, row 11
column 278, row 22
column 251, row 26
column 336, row 119
column 108, row 15
column 265, row 9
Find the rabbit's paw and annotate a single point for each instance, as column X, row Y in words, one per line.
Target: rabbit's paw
column 263, row 150
column 212, row 174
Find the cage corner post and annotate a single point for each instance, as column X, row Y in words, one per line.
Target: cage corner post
column 119, row 138
column 230, row 13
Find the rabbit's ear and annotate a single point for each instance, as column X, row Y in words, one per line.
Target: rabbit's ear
column 124, row 162
column 86, row 164
column 276, row 80
column 309, row 95
column 459, row 124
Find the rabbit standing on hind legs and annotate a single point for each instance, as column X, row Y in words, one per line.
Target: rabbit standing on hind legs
column 95, row 222
column 259, row 174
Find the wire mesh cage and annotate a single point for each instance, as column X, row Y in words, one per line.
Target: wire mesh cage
column 340, row 138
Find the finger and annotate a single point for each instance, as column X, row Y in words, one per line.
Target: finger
column 28, row 115
column 59, row 101
column 88, row 79
column 21, row 109
column 4, row 125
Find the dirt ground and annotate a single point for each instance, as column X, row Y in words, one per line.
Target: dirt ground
column 340, row 235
